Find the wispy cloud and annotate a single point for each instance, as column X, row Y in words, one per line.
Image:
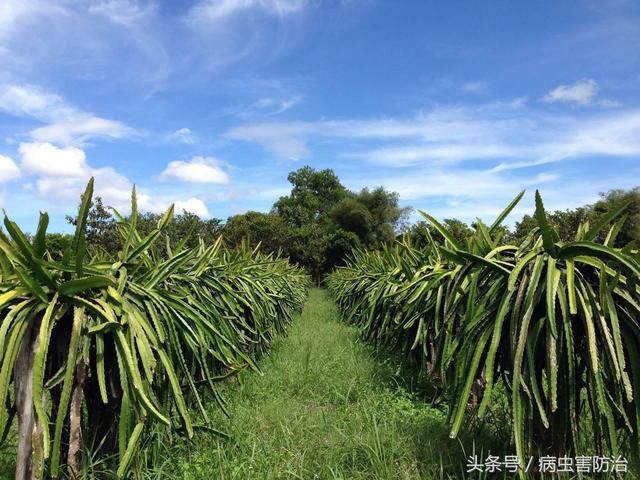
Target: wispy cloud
column 404, row 156
column 510, row 134
column 66, row 123
column 266, row 106
column 14, row 13
column 36, row 102
column 183, row 135
column 118, row 37
column 467, row 194
column 222, row 33
column 124, row 12
column 80, row 129
column 286, row 140
column 272, row 106
column 581, row 92
column 55, row 159
column 475, row 88
column 216, row 10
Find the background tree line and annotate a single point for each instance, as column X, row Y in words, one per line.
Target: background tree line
column 321, row 221
column 565, row 221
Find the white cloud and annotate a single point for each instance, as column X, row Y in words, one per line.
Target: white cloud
column 215, row 10
column 581, row 93
column 62, row 174
column 512, row 135
column 446, row 183
column 475, row 88
column 123, row 12
column 609, row 103
column 81, row 128
column 115, row 191
column 36, row 102
column 287, row 104
column 198, row 170
column 286, row 140
column 404, row 156
column 138, row 42
column 160, row 204
column 14, row 12
column 266, row 106
column 443, row 127
column 613, row 135
column 116, row 39
column 192, row 205
column 256, row 32
column 8, row 169
column 276, row 107
column 264, row 103
column 49, row 160
column 469, row 194
column 183, row 135
column 114, row 188
column 65, row 123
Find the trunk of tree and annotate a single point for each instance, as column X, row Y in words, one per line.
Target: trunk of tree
column 432, row 371
column 29, row 433
column 477, row 390
column 74, row 454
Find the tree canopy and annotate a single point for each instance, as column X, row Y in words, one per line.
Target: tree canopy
column 255, row 228
column 102, row 227
column 320, row 222
column 566, row 221
column 325, row 220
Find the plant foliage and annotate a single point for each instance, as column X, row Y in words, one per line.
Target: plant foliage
column 556, row 323
column 125, row 339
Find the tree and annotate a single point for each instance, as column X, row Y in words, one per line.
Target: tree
column 420, row 231
column 387, row 216
column 308, row 247
column 566, row 221
column 317, row 225
column 351, row 215
column 58, row 243
column 326, row 221
column 101, row 229
column 183, row 224
column 306, row 213
column 630, row 231
column 313, row 194
column 267, row 229
column 341, row 244
column 524, row 226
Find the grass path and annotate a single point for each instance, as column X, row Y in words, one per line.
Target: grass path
column 323, row 408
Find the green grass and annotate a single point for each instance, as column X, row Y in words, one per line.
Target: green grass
column 8, row 454
column 324, row 407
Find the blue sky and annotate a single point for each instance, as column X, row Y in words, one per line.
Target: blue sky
column 456, row 105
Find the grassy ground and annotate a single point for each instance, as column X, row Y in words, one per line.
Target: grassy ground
column 324, row 408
